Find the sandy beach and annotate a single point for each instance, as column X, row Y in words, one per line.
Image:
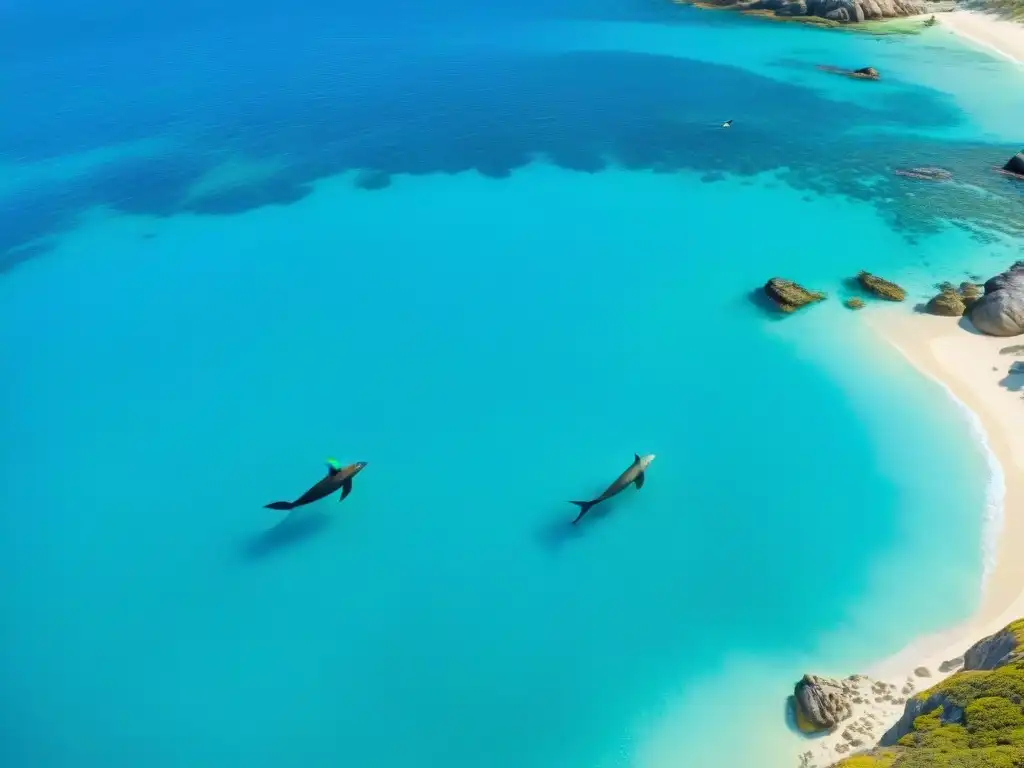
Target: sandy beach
column 975, row 370
column 1002, row 37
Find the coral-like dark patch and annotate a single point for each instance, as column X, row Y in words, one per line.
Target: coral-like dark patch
column 493, row 111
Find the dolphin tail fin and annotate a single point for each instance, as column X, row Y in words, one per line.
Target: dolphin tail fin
column 584, row 508
column 280, row 505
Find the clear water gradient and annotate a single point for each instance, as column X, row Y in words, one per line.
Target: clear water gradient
column 550, row 270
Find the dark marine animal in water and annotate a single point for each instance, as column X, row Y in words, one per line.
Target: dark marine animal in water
column 337, row 477
column 635, row 474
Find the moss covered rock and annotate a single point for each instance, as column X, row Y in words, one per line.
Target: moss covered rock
column 947, row 303
column 789, row 296
column 884, row 289
column 854, row 303
column 970, row 293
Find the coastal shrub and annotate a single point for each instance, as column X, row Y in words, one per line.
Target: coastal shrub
column 932, row 734
column 964, row 687
column 881, row 760
column 991, row 720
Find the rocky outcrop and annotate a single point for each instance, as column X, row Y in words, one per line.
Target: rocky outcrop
column 821, row 703
column 1000, row 311
column 1015, row 164
column 995, row 651
column 1002, row 649
column 789, row 296
column 846, row 11
column 833, row 11
column 880, row 287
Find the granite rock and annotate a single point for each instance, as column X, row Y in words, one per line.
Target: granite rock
column 1000, row 311
column 821, row 703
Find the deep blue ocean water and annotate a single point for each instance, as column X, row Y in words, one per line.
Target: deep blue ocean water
column 493, row 252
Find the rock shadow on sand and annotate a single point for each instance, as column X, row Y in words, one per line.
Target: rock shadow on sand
column 296, row 528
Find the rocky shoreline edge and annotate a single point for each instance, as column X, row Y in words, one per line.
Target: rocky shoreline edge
column 861, row 15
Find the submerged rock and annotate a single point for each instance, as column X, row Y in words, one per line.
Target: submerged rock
column 925, row 173
column 882, row 288
column 865, row 73
column 370, row 179
column 789, row 295
column 821, row 703
column 854, row 303
column 1000, row 311
column 869, row 72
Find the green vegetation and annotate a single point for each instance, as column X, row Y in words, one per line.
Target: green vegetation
column 984, row 725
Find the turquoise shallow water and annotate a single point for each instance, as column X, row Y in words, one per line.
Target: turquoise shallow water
column 556, row 275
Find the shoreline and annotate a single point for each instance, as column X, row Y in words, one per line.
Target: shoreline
column 997, row 35
column 969, row 367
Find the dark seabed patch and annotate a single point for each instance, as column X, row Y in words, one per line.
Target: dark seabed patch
column 496, row 112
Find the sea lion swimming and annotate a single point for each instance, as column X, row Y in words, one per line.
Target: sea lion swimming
column 635, row 474
column 337, row 477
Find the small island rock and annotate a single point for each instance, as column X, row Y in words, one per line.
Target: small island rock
column 789, row 295
column 869, row 72
column 1015, row 164
column 854, row 303
column 1000, row 311
column 882, row 288
column 821, row 703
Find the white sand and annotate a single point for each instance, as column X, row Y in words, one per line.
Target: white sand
column 971, row 367
column 1002, row 37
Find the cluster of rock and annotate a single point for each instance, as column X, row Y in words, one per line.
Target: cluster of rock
column 995, row 309
column 841, row 11
column 951, row 301
column 789, row 296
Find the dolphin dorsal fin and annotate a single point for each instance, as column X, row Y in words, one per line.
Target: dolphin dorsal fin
column 636, row 457
column 333, row 466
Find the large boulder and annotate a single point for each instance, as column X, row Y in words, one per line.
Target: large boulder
column 882, row 288
column 1015, row 164
column 789, row 295
column 821, row 703
column 1000, row 311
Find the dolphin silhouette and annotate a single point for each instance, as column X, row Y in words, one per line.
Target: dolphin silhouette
column 337, row 477
column 635, row 474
